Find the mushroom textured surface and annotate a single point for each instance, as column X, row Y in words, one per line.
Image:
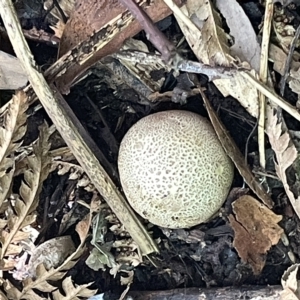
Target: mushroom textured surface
column 173, row 169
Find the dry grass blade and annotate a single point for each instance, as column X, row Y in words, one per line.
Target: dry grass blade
column 12, row 130
column 286, row 154
column 263, row 74
column 72, row 291
column 43, row 276
column 21, row 213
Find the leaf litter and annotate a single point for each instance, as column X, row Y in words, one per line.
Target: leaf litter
column 256, row 230
column 256, row 227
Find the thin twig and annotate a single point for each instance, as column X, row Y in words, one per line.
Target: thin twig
column 263, row 74
column 270, row 93
column 215, row 72
column 154, row 35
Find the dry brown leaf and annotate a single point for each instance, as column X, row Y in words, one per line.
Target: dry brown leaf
column 217, row 51
column 12, row 130
column 14, row 249
column 209, row 43
column 214, row 38
column 67, row 6
column 286, row 153
column 18, row 237
column 7, row 264
column 256, row 230
column 241, row 29
column 58, row 28
column 73, row 291
column 290, row 283
column 23, row 208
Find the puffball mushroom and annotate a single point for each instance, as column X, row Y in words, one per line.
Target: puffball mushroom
column 173, row 169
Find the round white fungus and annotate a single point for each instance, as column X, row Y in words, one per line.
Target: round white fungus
column 173, row 169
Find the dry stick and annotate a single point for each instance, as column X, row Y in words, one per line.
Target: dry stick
column 63, row 118
column 225, row 293
column 270, row 93
column 184, row 65
column 263, row 74
column 154, row 35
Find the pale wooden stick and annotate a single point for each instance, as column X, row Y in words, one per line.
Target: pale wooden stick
column 263, row 74
column 270, row 93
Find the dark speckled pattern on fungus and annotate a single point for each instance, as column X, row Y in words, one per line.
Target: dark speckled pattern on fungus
column 173, row 169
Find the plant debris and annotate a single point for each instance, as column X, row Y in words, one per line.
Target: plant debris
column 67, row 230
column 256, row 230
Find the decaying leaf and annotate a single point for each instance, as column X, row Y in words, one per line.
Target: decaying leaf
column 290, row 283
column 209, row 43
column 12, row 130
column 286, row 153
column 51, row 253
column 43, row 276
column 247, row 51
column 73, row 291
column 217, row 51
column 100, row 256
column 256, row 230
column 22, row 212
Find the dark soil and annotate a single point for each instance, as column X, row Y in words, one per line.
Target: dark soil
column 202, row 256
